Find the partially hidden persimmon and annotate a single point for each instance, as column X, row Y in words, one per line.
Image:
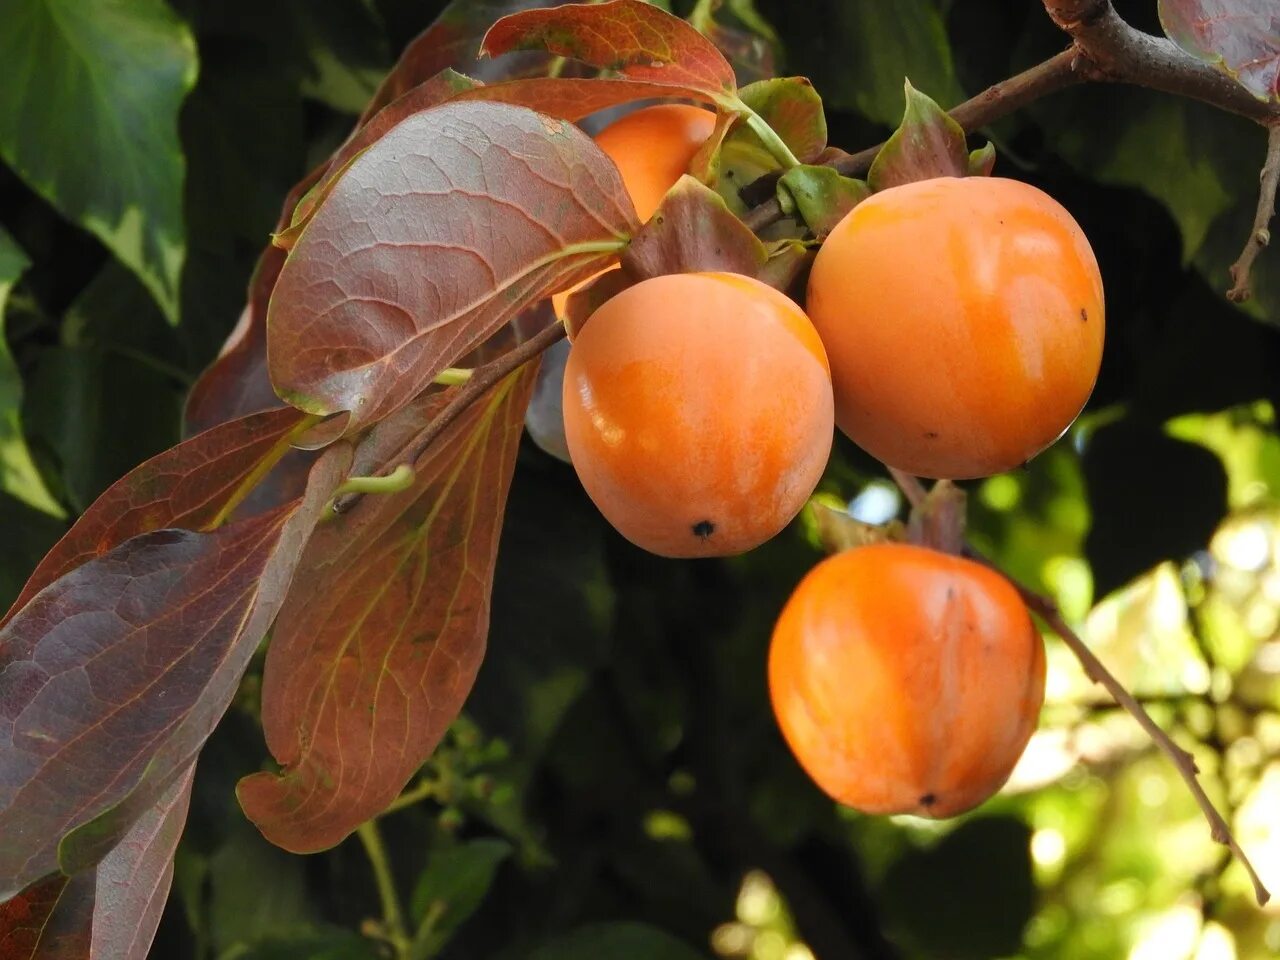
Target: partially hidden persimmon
column 906, row 680
column 698, row 412
column 964, row 323
column 652, row 149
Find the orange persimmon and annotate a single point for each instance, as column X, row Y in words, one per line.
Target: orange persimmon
column 698, row 412
column 964, row 323
column 652, row 149
column 906, row 680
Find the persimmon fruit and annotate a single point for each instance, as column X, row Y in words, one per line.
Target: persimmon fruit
column 963, row 318
column 698, row 412
column 652, row 149
column 906, row 680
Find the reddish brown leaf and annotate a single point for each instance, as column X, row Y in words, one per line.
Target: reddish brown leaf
column 110, row 912
column 1240, row 37
column 431, row 240
column 132, row 882
column 186, row 486
column 379, row 642
column 453, row 41
column 113, row 676
column 692, row 230
column 636, row 39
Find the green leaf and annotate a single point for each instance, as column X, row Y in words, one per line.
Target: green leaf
column 793, row 108
column 858, row 53
column 452, row 887
column 256, row 892
column 347, row 49
column 18, row 474
column 617, row 941
column 928, row 143
column 333, row 945
column 820, row 195
column 89, row 100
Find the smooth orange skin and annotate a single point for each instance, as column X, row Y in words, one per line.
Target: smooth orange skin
column 906, row 680
column 698, row 412
column 964, row 322
column 652, row 149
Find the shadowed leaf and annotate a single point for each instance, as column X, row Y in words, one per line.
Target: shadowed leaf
column 616, row 941
column 928, row 143
column 634, row 38
column 692, row 230
column 379, row 642
column 89, row 100
column 1240, row 37
column 186, row 486
column 111, row 912
column 430, row 241
column 114, row 675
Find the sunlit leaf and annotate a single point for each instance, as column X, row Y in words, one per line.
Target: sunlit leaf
column 1240, row 37
column 18, row 474
column 115, row 673
column 106, row 81
column 431, row 240
column 634, row 38
column 379, row 642
column 793, row 108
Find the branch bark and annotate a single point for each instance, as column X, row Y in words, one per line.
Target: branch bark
column 1096, row 671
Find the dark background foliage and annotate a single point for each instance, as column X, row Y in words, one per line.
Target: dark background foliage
column 618, row 762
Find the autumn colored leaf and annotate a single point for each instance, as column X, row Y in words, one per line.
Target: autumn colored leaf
column 381, row 637
column 48, row 921
column 453, row 42
column 431, row 240
column 113, row 676
column 1240, row 37
column 693, row 230
column 928, row 143
column 633, row 38
column 186, row 486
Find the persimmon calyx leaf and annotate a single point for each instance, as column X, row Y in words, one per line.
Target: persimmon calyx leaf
column 819, row 196
column 928, row 143
column 830, row 523
column 939, row 520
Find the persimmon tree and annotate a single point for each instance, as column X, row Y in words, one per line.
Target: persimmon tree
column 342, row 487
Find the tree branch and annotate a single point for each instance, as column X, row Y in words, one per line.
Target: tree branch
column 915, row 493
column 1260, row 237
column 1117, row 52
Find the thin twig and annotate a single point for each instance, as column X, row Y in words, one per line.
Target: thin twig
column 1260, row 237
column 392, row 916
column 479, row 383
column 915, row 493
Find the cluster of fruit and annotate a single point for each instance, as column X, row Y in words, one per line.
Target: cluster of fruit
column 952, row 328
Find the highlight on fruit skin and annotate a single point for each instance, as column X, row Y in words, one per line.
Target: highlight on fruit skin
column 906, row 680
column 698, row 412
column 964, row 321
column 652, row 148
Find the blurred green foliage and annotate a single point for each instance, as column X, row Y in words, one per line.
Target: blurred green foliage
column 618, row 789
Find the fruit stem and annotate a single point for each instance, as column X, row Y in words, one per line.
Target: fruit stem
column 453, row 376
column 937, row 521
column 776, row 146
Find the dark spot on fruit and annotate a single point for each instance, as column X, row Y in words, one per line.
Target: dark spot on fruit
column 704, row 529
column 658, row 219
column 1084, row 315
column 928, row 800
column 931, row 434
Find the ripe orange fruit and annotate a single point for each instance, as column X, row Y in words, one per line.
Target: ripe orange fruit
column 964, row 322
column 652, row 149
column 906, row 680
column 698, row 412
